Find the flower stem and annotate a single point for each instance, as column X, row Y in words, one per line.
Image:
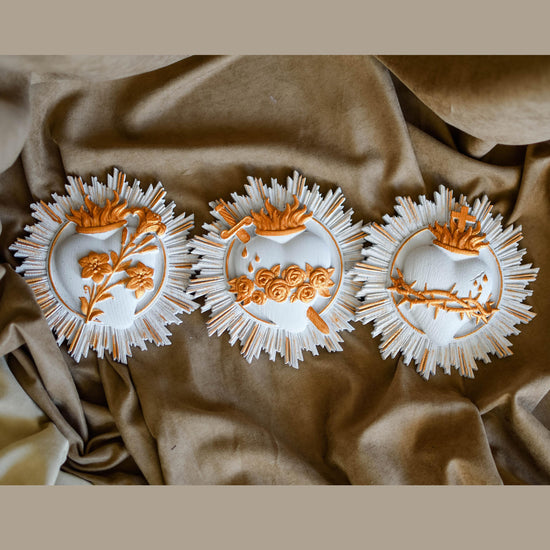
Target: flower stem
column 126, row 250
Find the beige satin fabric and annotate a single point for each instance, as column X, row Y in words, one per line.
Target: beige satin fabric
column 32, row 449
column 195, row 412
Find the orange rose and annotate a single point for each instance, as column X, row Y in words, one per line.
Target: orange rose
column 242, row 287
column 294, row 276
column 320, row 278
column 305, row 293
column 258, row 297
column 263, row 276
column 277, row 290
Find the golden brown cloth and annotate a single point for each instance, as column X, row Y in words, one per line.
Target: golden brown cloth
column 196, row 412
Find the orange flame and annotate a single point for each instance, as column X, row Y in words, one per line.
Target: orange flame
column 281, row 222
column 456, row 240
column 97, row 219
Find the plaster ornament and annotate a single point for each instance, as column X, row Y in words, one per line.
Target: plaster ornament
column 274, row 268
column 443, row 283
column 108, row 264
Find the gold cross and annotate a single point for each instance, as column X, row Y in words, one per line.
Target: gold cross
column 462, row 217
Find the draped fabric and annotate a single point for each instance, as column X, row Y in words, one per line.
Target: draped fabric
column 196, row 412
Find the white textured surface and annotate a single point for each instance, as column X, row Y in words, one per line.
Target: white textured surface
column 282, row 336
column 125, row 322
column 313, row 246
column 445, row 342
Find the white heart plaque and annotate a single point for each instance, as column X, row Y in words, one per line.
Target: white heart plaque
column 443, row 283
column 274, row 268
column 109, row 265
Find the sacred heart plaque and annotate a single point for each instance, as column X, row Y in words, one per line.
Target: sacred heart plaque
column 443, row 283
column 109, row 265
column 274, row 268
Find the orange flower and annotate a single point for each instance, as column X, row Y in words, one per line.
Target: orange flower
column 294, row 276
column 95, row 266
column 140, row 279
column 305, row 293
column 320, row 278
column 263, row 276
column 258, row 297
column 149, row 222
column 242, row 287
column 277, row 290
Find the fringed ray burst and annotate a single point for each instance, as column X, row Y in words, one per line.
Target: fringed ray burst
column 282, row 306
column 391, row 303
column 106, row 298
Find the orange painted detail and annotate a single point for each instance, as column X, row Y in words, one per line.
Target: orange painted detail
column 455, row 237
column 157, row 339
column 98, row 219
column 225, row 212
column 74, row 343
column 317, row 321
column 120, row 181
column 158, row 196
column 244, row 253
column 249, row 340
column 81, row 185
column 423, row 362
column 380, row 229
column 140, row 279
column 293, row 283
column 243, row 287
column 392, row 338
column 271, row 221
column 462, row 217
column 443, row 300
column 50, row 212
column 287, row 348
column 101, row 267
column 238, row 229
column 513, row 240
column 258, row 297
column 277, row 290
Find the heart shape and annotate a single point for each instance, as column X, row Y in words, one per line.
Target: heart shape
column 433, row 267
column 264, row 252
column 66, row 274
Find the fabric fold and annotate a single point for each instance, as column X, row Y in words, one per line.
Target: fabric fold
column 195, row 412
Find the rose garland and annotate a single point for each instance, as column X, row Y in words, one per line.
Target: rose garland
column 279, row 286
